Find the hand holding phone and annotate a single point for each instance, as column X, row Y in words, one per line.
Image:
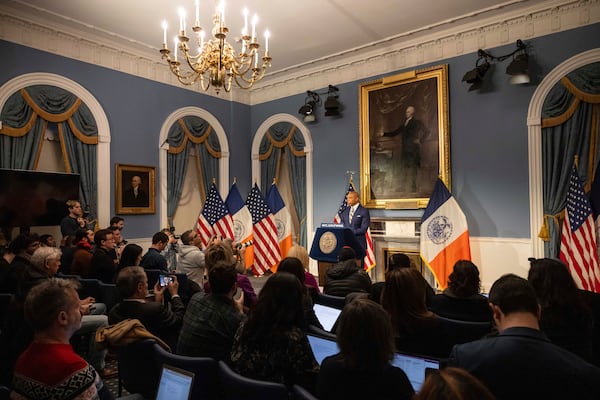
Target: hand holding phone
column 164, row 280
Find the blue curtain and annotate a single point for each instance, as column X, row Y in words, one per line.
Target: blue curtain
column 280, row 136
column 190, row 132
column 26, row 114
column 570, row 120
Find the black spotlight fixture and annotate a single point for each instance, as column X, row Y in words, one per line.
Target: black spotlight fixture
column 475, row 76
column 332, row 105
column 308, row 109
column 518, row 69
column 313, row 99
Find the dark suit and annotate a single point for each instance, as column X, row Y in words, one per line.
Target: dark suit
column 521, row 363
column 163, row 321
column 359, row 225
column 130, row 199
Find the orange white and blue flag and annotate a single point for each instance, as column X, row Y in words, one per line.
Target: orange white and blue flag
column 242, row 222
column 444, row 234
column 283, row 221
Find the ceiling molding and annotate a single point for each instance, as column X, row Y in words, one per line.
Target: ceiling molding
column 392, row 54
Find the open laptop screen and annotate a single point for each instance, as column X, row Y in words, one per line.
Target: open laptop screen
column 175, row 384
column 415, row 367
column 322, row 347
column 327, row 316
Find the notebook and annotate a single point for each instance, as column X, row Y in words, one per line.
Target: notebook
column 415, row 367
column 322, row 347
column 327, row 316
column 175, row 384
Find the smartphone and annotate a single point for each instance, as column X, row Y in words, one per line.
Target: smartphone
column 164, row 280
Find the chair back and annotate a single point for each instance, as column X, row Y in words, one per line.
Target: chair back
column 4, row 392
column 238, row 387
column 90, row 287
column 458, row 332
column 205, row 369
column 299, row 393
column 331, row 301
column 109, row 295
column 136, row 373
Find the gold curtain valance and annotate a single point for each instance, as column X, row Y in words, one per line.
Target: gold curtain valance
column 281, row 143
column 579, row 97
column 188, row 136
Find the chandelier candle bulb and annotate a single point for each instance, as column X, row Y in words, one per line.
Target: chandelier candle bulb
column 254, row 22
column 182, row 21
column 176, row 40
column 245, row 30
column 197, row 12
column 164, row 26
column 267, row 35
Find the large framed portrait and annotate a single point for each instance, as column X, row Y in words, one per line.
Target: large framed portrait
column 135, row 186
column 404, row 138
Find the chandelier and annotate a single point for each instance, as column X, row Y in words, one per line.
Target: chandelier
column 216, row 63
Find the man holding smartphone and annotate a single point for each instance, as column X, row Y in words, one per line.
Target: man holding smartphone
column 162, row 318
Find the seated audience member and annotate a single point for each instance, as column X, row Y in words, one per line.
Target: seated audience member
column 131, row 256
column 294, row 267
column 521, row 363
column 396, row 261
column 453, row 384
column 417, row 329
column 117, row 222
column 153, row 259
column 220, row 251
column 21, row 248
column 346, row 276
column 103, row 265
column 211, row 320
column 191, row 258
column 47, row 241
column 362, row 369
column 82, row 256
column 49, row 368
column 271, row 345
column 115, row 253
column 162, row 320
column 67, row 247
column 565, row 318
column 462, row 300
column 301, row 254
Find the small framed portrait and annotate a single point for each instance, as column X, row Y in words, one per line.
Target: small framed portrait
column 404, row 138
column 135, row 189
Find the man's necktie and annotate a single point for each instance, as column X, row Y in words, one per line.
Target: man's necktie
column 351, row 214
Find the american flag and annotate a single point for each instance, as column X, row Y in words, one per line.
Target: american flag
column 369, row 260
column 214, row 218
column 578, row 242
column 266, row 243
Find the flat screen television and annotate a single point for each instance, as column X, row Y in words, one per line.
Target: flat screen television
column 32, row 198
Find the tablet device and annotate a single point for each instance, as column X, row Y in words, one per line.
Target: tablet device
column 327, row 316
column 322, row 347
column 415, row 367
column 175, row 384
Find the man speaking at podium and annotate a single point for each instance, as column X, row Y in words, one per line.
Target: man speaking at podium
column 356, row 217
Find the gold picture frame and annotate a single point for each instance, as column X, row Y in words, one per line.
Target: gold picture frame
column 404, row 138
column 135, row 189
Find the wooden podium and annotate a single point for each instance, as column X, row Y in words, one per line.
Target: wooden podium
column 329, row 240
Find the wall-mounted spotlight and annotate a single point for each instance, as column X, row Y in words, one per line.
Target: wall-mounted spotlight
column 313, row 99
column 518, row 68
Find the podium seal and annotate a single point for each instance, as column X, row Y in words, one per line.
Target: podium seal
column 327, row 243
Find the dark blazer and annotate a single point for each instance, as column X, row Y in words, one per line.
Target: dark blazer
column 360, row 223
column 103, row 266
column 161, row 320
column 521, row 363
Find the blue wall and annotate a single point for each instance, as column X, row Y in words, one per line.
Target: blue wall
column 488, row 130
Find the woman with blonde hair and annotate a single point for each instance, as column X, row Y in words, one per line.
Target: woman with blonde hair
column 301, row 254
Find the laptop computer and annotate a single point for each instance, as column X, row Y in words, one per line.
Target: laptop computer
column 322, row 347
column 175, row 384
column 327, row 316
column 415, row 367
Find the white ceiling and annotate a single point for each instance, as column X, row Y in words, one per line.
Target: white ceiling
column 301, row 31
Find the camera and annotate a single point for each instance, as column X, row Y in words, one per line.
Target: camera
column 164, row 280
column 240, row 246
column 172, row 230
